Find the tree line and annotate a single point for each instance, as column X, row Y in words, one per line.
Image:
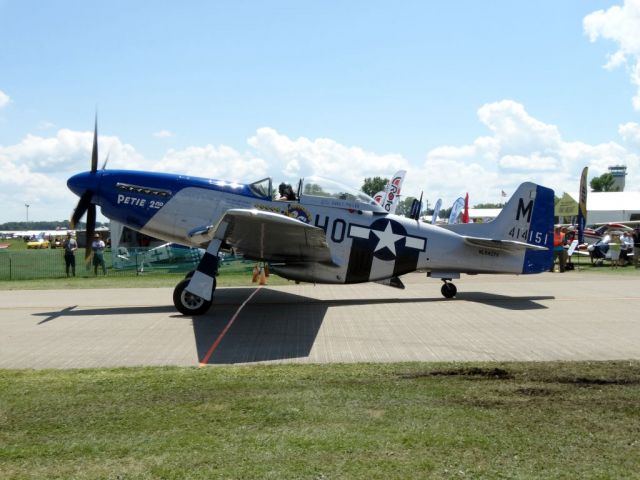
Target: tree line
column 45, row 225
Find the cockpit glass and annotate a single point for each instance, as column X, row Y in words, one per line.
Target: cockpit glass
column 261, row 188
column 322, row 187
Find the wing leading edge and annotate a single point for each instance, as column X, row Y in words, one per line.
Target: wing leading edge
column 272, row 237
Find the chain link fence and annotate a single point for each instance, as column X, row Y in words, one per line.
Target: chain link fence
column 49, row 263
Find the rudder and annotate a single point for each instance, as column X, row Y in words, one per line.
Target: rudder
column 527, row 217
column 540, row 232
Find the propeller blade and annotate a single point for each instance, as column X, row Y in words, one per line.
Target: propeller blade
column 106, row 160
column 91, row 228
column 94, row 153
column 81, row 208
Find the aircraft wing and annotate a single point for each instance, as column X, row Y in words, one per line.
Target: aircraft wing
column 503, row 245
column 271, row 236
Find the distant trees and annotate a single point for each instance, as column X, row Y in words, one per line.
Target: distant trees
column 603, row 183
column 489, row 205
column 45, row 225
column 444, row 212
column 373, row 185
column 404, row 206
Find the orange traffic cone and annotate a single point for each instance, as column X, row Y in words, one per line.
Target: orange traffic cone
column 254, row 276
column 262, row 277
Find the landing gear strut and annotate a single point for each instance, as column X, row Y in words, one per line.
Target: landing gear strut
column 189, row 304
column 448, row 290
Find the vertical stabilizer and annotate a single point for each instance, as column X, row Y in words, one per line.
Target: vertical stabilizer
column 527, row 218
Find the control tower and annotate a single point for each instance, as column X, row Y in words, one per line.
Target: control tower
column 618, row 172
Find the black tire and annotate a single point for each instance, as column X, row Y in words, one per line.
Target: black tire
column 189, row 275
column 189, row 304
column 449, row 290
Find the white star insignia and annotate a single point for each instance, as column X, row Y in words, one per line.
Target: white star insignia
column 387, row 239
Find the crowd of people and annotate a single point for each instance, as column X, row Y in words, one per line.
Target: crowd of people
column 622, row 248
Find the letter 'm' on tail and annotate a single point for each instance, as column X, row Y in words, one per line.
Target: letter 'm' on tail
column 526, row 220
column 528, row 215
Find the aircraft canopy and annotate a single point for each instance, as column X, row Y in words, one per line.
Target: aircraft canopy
column 322, row 191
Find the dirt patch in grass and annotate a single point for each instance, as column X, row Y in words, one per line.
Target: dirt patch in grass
column 591, row 382
column 534, row 392
column 468, row 372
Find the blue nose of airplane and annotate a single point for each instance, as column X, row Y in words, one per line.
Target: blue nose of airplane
column 85, row 181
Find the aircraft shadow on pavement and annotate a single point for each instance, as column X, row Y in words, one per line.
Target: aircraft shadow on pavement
column 503, row 301
column 274, row 325
column 106, row 311
column 278, row 325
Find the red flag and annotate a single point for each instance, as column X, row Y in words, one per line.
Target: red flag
column 465, row 212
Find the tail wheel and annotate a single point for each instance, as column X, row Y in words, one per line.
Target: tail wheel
column 449, row 290
column 189, row 304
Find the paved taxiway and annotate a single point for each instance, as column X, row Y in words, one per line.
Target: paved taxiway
column 570, row 316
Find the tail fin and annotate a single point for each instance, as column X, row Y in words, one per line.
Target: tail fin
column 527, row 217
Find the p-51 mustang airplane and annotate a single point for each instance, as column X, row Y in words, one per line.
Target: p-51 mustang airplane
column 328, row 234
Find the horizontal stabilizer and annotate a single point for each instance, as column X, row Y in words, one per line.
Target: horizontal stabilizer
column 502, row 245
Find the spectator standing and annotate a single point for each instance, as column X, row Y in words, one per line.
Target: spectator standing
column 70, row 245
column 558, row 248
column 636, row 246
column 98, row 254
column 615, row 245
column 626, row 250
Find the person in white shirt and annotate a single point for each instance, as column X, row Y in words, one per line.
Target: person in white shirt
column 70, row 245
column 98, row 254
column 627, row 248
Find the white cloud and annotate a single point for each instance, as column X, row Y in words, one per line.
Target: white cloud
column 630, row 133
column 163, row 134
column 533, row 162
column 68, row 151
column 515, row 130
column 621, row 25
column 322, row 156
column 4, row 99
column 518, row 148
column 37, row 168
column 220, row 162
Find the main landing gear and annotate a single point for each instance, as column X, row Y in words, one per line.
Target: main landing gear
column 448, row 290
column 186, row 302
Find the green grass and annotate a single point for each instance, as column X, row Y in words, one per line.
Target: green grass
column 537, row 420
column 15, row 244
column 628, row 270
column 155, row 280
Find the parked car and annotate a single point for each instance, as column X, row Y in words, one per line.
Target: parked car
column 38, row 243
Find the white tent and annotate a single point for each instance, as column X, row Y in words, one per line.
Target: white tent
column 483, row 214
column 604, row 207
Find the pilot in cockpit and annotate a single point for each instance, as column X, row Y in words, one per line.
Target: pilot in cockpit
column 285, row 192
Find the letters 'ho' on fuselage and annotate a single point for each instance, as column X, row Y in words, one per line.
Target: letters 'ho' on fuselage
column 328, row 233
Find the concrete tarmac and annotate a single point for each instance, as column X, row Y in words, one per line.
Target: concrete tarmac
column 569, row 316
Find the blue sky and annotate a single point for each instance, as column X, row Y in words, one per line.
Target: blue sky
column 465, row 95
